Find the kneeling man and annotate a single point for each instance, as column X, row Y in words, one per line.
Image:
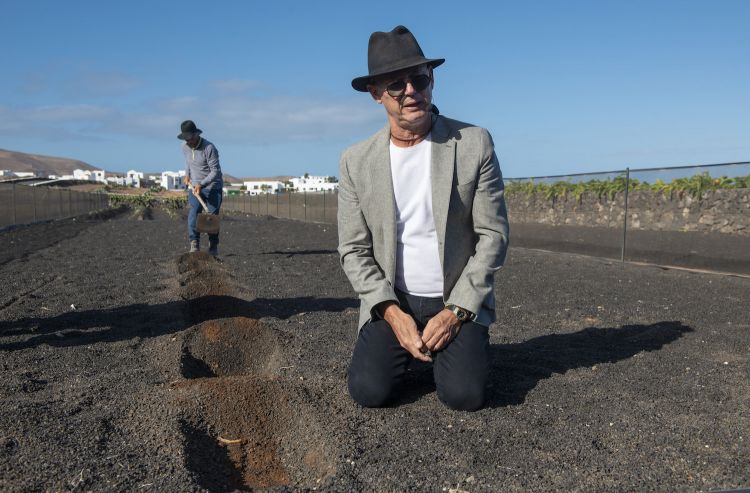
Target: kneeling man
column 422, row 230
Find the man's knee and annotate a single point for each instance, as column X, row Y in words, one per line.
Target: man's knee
column 368, row 391
column 464, row 396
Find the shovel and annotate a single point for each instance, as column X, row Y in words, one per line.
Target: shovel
column 207, row 223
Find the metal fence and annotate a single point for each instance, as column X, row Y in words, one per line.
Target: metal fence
column 682, row 218
column 704, row 230
column 304, row 206
column 23, row 204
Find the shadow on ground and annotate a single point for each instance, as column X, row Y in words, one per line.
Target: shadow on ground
column 292, row 253
column 143, row 320
column 515, row 369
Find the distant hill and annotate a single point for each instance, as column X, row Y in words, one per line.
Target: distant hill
column 41, row 165
column 230, row 178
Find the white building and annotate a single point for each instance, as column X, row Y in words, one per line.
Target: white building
column 115, row 180
column 313, row 184
column 259, row 187
column 173, row 180
column 134, row 178
column 81, row 174
column 16, row 174
column 84, row 174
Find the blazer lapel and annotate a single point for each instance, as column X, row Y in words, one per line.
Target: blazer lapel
column 443, row 165
column 382, row 184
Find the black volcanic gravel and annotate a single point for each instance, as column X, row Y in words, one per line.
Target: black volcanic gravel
column 126, row 365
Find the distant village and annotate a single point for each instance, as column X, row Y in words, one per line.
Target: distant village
column 175, row 180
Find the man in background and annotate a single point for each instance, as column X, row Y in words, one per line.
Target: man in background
column 202, row 177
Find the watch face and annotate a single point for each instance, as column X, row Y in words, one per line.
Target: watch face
column 460, row 314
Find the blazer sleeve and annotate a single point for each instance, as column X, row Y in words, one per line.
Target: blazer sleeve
column 490, row 225
column 355, row 249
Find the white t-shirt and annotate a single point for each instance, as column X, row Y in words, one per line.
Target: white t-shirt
column 418, row 268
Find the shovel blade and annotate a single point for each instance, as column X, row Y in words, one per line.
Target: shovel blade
column 208, row 223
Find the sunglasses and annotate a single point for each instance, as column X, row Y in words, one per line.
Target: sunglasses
column 419, row 82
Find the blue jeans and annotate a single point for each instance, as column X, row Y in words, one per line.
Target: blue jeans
column 379, row 362
column 212, row 198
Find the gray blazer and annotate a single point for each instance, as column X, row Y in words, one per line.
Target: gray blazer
column 467, row 204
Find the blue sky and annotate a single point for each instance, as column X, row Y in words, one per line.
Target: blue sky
column 563, row 86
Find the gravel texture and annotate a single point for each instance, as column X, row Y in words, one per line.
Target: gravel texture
column 716, row 252
column 129, row 365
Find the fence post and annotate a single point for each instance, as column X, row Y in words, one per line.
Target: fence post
column 324, row 205
column 277, row 203
column 13, row 202
column 304, row 205
column 33, row 201
column 290, row 204
column 625, row 218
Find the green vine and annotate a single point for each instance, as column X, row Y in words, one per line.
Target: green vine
column 695, row 186
column 147, row 200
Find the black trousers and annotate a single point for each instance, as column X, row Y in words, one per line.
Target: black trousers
column 379, row 362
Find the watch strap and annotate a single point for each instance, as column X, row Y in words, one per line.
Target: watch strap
column 462, row 314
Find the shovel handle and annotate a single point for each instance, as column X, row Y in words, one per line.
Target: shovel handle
column 198, row 196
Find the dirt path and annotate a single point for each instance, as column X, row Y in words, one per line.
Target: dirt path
column 128, row 365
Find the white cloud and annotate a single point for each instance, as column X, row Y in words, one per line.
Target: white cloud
column 290, row 118
column 174, row 105
column 252, row 120
column 235, row 85
column 225, row 117
column 66, row 113
column 90, row 83
column 55, row 122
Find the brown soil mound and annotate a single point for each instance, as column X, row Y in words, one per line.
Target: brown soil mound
column 203, row 275
column 230, row 346
column 243, row 427
column 250, row 432
column 211, row 291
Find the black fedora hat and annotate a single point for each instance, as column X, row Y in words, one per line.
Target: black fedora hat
column 188, row 129
column 391, row 52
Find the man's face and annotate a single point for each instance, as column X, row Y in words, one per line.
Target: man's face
column 193, row 140
column 411, row 109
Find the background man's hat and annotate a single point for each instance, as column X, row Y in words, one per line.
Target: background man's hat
column 188, row 129
column 391, row 52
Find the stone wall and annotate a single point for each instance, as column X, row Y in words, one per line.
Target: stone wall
column 724, row 211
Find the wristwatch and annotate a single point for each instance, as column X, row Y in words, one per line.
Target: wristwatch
column 461, row 314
